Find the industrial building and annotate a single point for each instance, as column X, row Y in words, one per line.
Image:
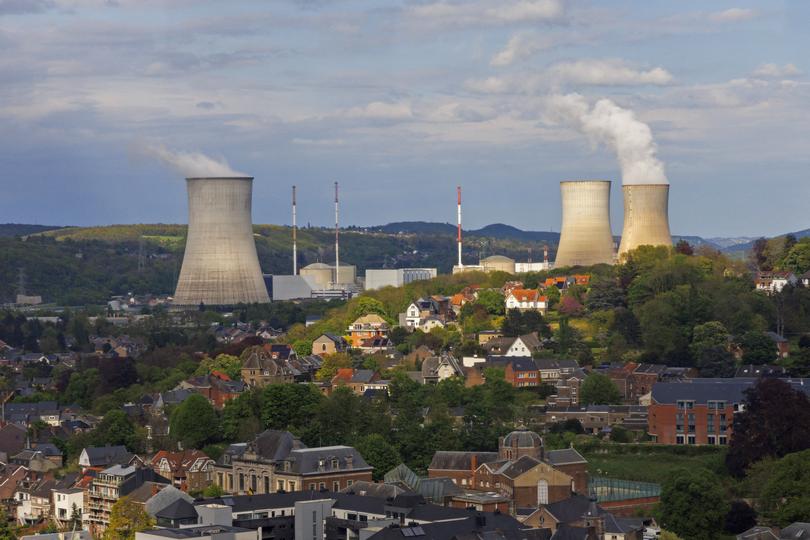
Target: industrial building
column 220, row 265
column 646, row 217
column 379, row 278
column 585, row 236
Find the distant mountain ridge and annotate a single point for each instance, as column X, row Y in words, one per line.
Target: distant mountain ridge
column 494, row 230
column 21, row 229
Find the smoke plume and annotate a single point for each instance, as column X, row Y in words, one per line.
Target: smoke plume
column 191, row 164
column 617, row 128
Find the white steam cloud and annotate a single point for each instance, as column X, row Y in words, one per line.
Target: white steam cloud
column 191, row 164
column 617, row 128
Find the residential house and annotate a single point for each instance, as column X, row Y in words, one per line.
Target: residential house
column 566, row 388
column 12, row 441
column 217, row 387
column 781, row 343
column 313, row 469
column 187, row 470
column 525, row 345
column 550, row 370
column 438, row 368
column 367, row 328
column 104, row 456
column 485, row 336
column 358, row 380
column 519, row 371
column 526, row 300
column 329, row 344
column 68, row 502
column 268, row 365
column 773, row 282
column 580, row 517
column 764, row 370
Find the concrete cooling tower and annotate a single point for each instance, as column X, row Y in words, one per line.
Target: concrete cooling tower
column 220, row 265
column 646, row 217
column 585, row 237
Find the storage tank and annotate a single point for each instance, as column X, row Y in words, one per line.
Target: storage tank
column 498, row 263
column 347, row 274
column 646, row 217
column 585, row 237
column 220, row 265
column 320, row 273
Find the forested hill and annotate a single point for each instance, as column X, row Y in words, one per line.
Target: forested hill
column 81, row 265
column 20, row 229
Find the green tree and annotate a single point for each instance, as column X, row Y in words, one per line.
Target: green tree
column 194, row 422
column 126, row 519
column 226, row 363
column 492, row 300
column 116, row 428
column 212, row 491
column 757, row 348
column 331, row 364
column 75, row 518
column 709, row 350
column 364, row 305
column 7, row 529
column 378, row 453
column 783, row 497
column 302, row 347
column 289, row 406
column 798, row 258
column 693, row 505
column 598, row 389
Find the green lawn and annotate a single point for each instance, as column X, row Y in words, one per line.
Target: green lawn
column 650, row 467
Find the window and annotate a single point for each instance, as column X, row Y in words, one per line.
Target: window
column 350, row 482
column 335, row 486
column 241, row 482
column 292, row 485
column 723, row 439
column 679, row 439
column 312, row 486
column 322, row 485
column 711, row 439
column 280, row 485
column 542, row 492
column 691, row 439
column 267, row 484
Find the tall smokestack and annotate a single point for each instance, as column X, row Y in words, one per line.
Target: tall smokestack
column 646, row 216
column 545, row 255
column 585, row 237
column 458, row 190
column 337, row 238
column 220, row 265
column 295, row 235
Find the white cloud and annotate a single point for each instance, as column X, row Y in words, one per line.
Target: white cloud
column 776, row 71
column 491, row 85
column 597, row 72
column 733, row 15
column 483, row 12
column 379, row 110
column 519, row 47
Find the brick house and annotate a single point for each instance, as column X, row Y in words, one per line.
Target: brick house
column 699, row 411
column 519, row 371
column 550, row 370
column 216, row 387
column 187, row 470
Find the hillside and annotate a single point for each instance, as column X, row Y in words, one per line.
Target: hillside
column 8, row 230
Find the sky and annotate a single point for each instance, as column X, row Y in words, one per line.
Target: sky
column 402, row 100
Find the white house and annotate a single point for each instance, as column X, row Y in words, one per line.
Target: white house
column 64, row 501
column 774, row 282
column 526, row 300
column 413, row 315
column 524, row 346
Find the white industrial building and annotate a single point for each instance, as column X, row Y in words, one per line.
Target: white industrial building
column 377, row 279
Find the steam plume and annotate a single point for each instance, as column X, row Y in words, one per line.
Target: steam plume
column 617, row 128
column 191, row 164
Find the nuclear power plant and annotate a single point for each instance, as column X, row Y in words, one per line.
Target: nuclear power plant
column 585, row 236
column 220, row 265
column 646, row 217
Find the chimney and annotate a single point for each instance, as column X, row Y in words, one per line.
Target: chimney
column 458, row 189
column 294, row 234
column 337, row 238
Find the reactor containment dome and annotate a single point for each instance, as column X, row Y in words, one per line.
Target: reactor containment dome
column 220, row 265
column 585, row 236
column 646, row 217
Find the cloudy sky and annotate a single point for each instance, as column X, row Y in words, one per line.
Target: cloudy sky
column 400, row 100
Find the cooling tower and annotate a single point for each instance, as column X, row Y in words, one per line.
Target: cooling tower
column 646, row 216
column 585, row 236
column 220, row 265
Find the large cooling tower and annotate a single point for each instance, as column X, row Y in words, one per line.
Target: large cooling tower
column 585, row 236
column 646, row 217
column 220, row 266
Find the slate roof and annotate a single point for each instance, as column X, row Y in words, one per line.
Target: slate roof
column 480, row 525
column 566, row 532
column 703, row 390
column 100, row 456
column 275, row 445
column 196, row 532
column 319, row 460
column 553, row 363
column 520, row 466
column 798, row 530
column 12, row 438
column 179, row 509
column 569, row 510
column 460, row 461
column 522, row 438
column 363, row 375
column 564, row 456
column 166, row 496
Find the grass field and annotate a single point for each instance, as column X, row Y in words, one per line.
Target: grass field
column 651, row 467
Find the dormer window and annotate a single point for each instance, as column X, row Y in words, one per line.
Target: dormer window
column 335, row 463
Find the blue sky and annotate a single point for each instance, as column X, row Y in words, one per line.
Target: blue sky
column 400, row 101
